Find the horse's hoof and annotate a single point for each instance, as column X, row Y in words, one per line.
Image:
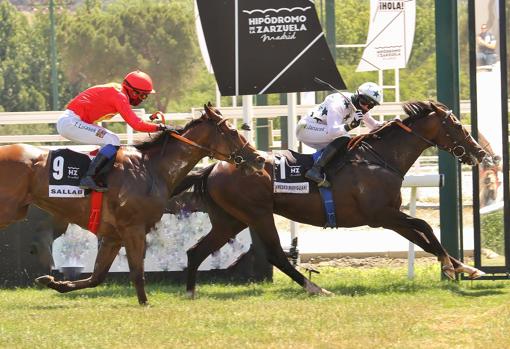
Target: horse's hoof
column 472, row 272
column 44, row 280
column 476, row 274
column 327, row 293
column 313, row 289
column 448, row 271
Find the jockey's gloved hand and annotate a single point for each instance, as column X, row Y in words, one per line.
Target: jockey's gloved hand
column 358, row 115
column 157, row 115
column 165, row 127
column 353, row 124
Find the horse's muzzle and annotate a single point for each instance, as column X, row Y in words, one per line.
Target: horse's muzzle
column 260, row 162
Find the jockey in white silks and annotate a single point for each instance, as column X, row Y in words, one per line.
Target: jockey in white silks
column 327, row 125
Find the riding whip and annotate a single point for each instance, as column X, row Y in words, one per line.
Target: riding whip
column 316, row 79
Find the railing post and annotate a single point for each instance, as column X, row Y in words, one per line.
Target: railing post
column 410, row 253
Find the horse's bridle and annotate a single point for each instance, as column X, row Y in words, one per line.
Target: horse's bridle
column 237, row 156
column 359, row 141
column 451, row 150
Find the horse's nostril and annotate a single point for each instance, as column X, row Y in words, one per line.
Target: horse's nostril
column 261, row 159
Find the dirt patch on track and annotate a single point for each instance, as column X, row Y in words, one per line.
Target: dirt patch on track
column 367, row 262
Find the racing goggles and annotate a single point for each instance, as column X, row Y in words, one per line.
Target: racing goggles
column 139, row 94
column 369, row 102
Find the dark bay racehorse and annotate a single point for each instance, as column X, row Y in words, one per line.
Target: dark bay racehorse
column 366, row 192
column 140, row 183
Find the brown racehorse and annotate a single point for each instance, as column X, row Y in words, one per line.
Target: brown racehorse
column 140, row 183
column 366, row 192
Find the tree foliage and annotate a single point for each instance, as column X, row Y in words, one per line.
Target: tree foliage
column 22, row 62
column 100, row 45
column 101, row 41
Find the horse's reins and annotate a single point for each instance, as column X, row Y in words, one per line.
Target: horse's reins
column 359, row 141
column 450, row 150
column 211, row 152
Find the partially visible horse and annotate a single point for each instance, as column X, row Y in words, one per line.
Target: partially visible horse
column 366, row 191
column 140, row 184
column 489, row 181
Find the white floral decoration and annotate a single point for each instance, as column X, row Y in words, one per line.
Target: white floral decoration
column 166, row 250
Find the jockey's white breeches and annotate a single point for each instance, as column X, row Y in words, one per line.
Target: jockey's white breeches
column 70, row 126
column 313, row 133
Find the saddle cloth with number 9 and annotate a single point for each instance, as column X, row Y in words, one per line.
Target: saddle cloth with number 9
column 66, row 167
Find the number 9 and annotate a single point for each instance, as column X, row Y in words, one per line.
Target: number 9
column 58, row 168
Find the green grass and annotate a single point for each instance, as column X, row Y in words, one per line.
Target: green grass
column 373, row 308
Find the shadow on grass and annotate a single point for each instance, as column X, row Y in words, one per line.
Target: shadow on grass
column 235, row 291
column 479, row 290
column 228, row 295
column 409, row 287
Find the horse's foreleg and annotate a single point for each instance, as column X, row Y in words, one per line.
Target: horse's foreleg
column 420, row 233
column 134, row 242
column 108, row 250
column 12, row 211
column 266, row 231
column 221, row 231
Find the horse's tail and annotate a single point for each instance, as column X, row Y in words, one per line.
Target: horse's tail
column 196, row 179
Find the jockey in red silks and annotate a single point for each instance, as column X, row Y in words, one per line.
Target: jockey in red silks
column 102, row 102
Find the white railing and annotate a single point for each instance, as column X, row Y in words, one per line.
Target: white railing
column 51, row 117
column 414, row 182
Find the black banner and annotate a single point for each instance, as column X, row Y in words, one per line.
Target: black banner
column 266, row 46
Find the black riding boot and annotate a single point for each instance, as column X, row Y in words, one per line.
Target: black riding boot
column 88, row 181
column 316, row 172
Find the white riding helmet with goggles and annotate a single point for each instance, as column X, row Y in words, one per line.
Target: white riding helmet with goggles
column 372, row 91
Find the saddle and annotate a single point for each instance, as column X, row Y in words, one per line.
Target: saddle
column 66, row 168
column 290, row 166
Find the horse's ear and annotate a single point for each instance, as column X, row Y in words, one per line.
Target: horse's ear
column 207, row 112
column 209, row 104
column 434, row 106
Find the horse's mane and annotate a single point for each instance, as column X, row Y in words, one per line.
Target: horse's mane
column 413, row 109
column 417, row 109
column 162, row 137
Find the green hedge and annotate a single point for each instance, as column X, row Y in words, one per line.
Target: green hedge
column 492, row 231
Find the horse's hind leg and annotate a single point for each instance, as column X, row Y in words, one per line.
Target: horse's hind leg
column 224, row 227
column 108, row 250
column 266, row 230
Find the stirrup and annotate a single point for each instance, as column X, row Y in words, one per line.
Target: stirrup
column 324, row 183
column 90, row 184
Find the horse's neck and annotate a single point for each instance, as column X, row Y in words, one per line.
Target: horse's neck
column 176, row 161
column 400, row 150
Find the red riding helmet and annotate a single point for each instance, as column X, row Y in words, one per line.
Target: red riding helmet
column 138, row 86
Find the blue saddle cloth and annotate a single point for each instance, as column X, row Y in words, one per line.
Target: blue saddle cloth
column 327, row 199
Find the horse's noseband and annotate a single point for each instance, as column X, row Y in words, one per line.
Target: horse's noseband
column 458, row 151
column 237, row 156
